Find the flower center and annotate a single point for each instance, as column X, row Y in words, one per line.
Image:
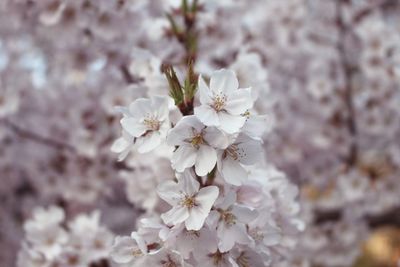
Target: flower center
column 256, row 234
column 232, row 151
column 243, row 260
column 137, row 253
column 217, row 258
column 219, row 102
column 228, row 217
column 197, row 140
column 188, row 202
column 152, row 123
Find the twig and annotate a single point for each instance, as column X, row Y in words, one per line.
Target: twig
column 38, row 138
column 348, row 71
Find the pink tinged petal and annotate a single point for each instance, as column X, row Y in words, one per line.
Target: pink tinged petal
column 230, row 234
column 244, row 214
column 120, row 145
column 175, row 215
column 228, row 200
column 257, row 125
column 140, row 107
column 233, row 172
column 207, row 115
column 184, row 157
column 121, row 251
column 231, row 123
column 215, row 138
column 205, row 161
column 196, row 219
column 189, row 184
column 191, row 121
column 133, row 126
column 140, row 242
column 272, row 236
column 149, row 142
column 206, row 197
column 160, row 107
column 198, row 214
column 251, row 152
column 169, row 191
column 239, row 101
column 204, row 92
column 223, row 81
column 179, row 134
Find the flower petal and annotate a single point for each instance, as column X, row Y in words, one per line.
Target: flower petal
column 169, row 191
column 184, row 157
column 239, row 101
column 206, row 159
column 233, row 172
column 149, row 142
column 204, row 92
column 175, row 215
column 215, row 138
column 189, row 184
column 230, row 123
column 133, row 126
column 223, row 81
column 207, row 115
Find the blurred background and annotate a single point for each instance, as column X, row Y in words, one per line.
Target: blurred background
column 328, row 72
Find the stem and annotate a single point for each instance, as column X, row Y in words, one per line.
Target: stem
column 38, row 138
column 211, row 176
column 348, row 71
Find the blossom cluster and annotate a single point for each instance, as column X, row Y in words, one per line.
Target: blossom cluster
column 226, row 208
column 52, row 241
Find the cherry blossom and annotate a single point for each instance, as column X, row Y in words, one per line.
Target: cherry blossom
column 222, row 104
column 190, row 203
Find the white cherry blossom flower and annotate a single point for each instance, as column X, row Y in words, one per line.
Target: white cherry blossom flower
column 123, row 145
column 230, row 220
column 128, row 249
column 148, row 122
column 222, row 104
column 190, row 204
column 196, row 145
column 243, row 151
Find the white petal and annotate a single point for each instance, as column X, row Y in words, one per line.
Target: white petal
column 160, row 105
column 121, row 251
column 149, row 142
column 206, row 159
column 206, row 197
column 215, row 138
column 207, row 115
column 196, row 219
column 231, row 123
column 244, row 214
column 251, row 151
column 204, row 92
column 177, row 135
column 184, row 157
column 140, row 107
column 223, row 81
column 175, row 215
column 239, row 101
column 189, row 184
column 169, row 191
column 233, row 172
column 133, row 126
column 229, row 235
column 120, row 145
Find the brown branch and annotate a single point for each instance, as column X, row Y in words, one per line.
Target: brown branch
column 349, row 70
column 38, row 138
column 389, row 217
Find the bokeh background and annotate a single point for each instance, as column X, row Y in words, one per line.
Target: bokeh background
column 328, row 73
